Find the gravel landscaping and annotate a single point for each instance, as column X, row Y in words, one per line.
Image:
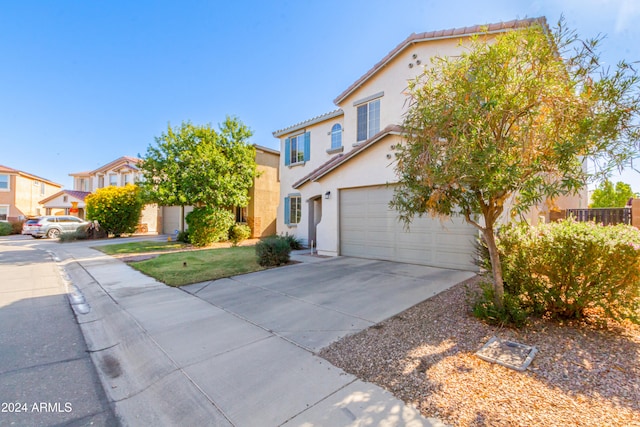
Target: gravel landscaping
column 583, row 374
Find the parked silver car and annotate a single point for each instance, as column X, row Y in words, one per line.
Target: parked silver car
column 52, row 226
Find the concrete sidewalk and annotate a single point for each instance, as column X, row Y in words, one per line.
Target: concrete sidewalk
column 240, row 351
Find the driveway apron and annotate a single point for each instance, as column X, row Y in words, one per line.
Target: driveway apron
column 241, row 351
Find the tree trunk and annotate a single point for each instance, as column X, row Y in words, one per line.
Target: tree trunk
column 496, row 267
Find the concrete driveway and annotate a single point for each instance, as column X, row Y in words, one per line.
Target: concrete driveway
column 315, row 304
column 241, row 351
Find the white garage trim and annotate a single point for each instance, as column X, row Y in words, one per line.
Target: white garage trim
column 369, row 228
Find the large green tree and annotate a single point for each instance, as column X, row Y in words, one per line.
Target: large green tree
column 508, row 124
column 608, row 196
column 197, row 165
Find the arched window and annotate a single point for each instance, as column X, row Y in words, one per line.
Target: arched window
column 336, row 136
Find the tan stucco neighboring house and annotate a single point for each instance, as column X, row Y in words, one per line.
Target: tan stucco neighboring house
column 337, row 169
column 21, row 192
column 120, row 172
column 264, row 197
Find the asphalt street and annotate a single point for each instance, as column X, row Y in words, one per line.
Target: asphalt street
column 46, row 374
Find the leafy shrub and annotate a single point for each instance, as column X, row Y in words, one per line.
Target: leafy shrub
column 512, row 313
column 208, row 225
column 239, row 233
column 117, row 209
column 72, row 236
column 16, row 227
column 183, row 236
column 566, row 269
column 293, row 241
column 5, row 228
column 273, row 251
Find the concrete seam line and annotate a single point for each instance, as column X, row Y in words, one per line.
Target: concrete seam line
column 305, row 301
column 73, row 359
column 271, row 331
column 320, row 401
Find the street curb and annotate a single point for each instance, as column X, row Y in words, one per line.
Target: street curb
column 140, row 380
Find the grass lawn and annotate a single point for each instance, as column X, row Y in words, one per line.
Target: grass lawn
column 140, row 247
column 183, row 268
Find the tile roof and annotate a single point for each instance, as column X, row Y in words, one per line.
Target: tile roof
column 80, row 195
column 6, row 169
column 266, row 149
column 314, row 120
column 123, row 159
column 341, row 158
column 438, row 35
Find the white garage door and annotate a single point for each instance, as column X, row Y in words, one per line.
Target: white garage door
column 370, row 229
column 171, row 218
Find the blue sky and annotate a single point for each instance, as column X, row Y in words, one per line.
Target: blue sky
column 85, row 82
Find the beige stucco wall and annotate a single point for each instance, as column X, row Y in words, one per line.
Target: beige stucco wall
column 635, row 213
column 24, row 197
column 373, row 166
column 149, row 217
column 393, row 81
column 264, row 195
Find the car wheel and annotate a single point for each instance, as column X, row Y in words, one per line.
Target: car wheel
column 53, row 233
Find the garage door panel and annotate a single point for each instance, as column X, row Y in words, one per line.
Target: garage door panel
column 370, row 229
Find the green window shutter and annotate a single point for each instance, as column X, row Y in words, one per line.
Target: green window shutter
column 287, row 152
column 287, row 209
column 307, row 146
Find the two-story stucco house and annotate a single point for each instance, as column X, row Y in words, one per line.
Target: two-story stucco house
column 120, row 172
column 337, row 169
column 21, row 192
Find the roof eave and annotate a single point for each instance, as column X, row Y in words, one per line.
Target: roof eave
column 313, row 121
column 429, row 36
column 340, row 160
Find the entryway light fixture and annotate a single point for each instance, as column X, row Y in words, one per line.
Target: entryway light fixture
column 327, row 195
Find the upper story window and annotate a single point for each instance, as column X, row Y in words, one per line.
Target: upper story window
column 126, row 179
column 113, row 179
column 43, row 189
column 83, row 184
column 368, row 120
column 101, row 181
column 4, row 182
column 297, row 148
column 336, row 136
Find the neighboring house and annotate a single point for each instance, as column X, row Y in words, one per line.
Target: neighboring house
column 120, row 172
column 337, row 169
column 264, row 197
column 21, row 192
column 66, row 202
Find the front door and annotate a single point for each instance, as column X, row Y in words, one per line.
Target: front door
column 315, row 216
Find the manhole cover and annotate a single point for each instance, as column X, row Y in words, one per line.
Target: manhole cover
column 507, row 353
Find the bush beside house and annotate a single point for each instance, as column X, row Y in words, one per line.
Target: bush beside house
column 273, row 251
column 208, row 225
column 117, row 209
column 567, row 270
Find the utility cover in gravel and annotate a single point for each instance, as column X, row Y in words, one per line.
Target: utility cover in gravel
column 507, row 353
